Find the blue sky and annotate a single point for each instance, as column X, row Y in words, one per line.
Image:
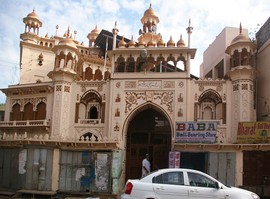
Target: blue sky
column 208, row 17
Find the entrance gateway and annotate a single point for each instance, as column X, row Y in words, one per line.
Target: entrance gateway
column 149, row 131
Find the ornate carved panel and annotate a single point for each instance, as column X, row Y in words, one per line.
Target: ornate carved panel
column 162, row 98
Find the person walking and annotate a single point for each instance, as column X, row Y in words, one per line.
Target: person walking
column 146, row 165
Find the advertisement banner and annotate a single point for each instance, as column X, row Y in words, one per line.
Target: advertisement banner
column 174, row 159
column 196, row 132
column 253, row 132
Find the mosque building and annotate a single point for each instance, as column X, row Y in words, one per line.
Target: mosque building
column 83, row 117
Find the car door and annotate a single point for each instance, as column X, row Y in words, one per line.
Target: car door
column 170, row 186
column 200, row 186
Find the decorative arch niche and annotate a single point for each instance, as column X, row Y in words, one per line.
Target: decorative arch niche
column 210, row 106
column 90, row 107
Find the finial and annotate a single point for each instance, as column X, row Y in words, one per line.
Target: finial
column 56, row 28
column 75, row 33
column 189, row 28
column 150, row 5
column 115, row 24
column 240, row 28
column 68, row 31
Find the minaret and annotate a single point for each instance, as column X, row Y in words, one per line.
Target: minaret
column 242, row 73
column 63, row 75
column 189, row 31
column 115, row 32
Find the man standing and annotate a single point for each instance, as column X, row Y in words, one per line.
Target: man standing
column 145, row 166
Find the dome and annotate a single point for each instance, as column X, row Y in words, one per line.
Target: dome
column 132, row 43
column 241, row 37
column 32, row 20
column 141, row 42
column 181, row 42
column 95, row 31
column 33, row 15
column 150, row 16
column 171, row 43
column 67, row 42
column 150, row 11
column 161, row 43
column 93, row 34
column 122, row 43
column 151, row 43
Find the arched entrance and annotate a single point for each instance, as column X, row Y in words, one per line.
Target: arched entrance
column 149, row 131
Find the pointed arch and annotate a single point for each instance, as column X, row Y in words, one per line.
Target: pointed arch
column 147, row 129
column 141, row 108
column 211, row 95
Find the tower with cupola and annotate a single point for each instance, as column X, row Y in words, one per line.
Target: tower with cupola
column 63, row 75
column 242, row 74
column 32, row 25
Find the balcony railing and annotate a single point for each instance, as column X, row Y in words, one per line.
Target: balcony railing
column 26, row 123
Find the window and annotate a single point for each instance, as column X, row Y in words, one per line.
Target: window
column 174, row 178
column 199, row 180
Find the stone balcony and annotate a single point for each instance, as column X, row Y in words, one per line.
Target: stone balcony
column 25, row 123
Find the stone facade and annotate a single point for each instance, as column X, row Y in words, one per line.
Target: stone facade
column 75, row 107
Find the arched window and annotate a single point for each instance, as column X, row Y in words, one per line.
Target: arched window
column 28, row 113
column 88, row 74
column 16, row 113
column 107, row 75
column 41, row 111
column 98, row 75
column 130, row 64
column 235, row 58
column 244, row 57
column 120, row 64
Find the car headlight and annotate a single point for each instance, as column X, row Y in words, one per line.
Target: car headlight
column 255, row 196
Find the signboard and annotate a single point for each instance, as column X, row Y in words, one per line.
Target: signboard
column 174, row 159
column 196, row 132
column 253, row 132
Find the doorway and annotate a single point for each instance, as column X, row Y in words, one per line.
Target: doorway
column 192, row 160
column 148, row 132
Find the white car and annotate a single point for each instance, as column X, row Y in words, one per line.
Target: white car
column 182, row 184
